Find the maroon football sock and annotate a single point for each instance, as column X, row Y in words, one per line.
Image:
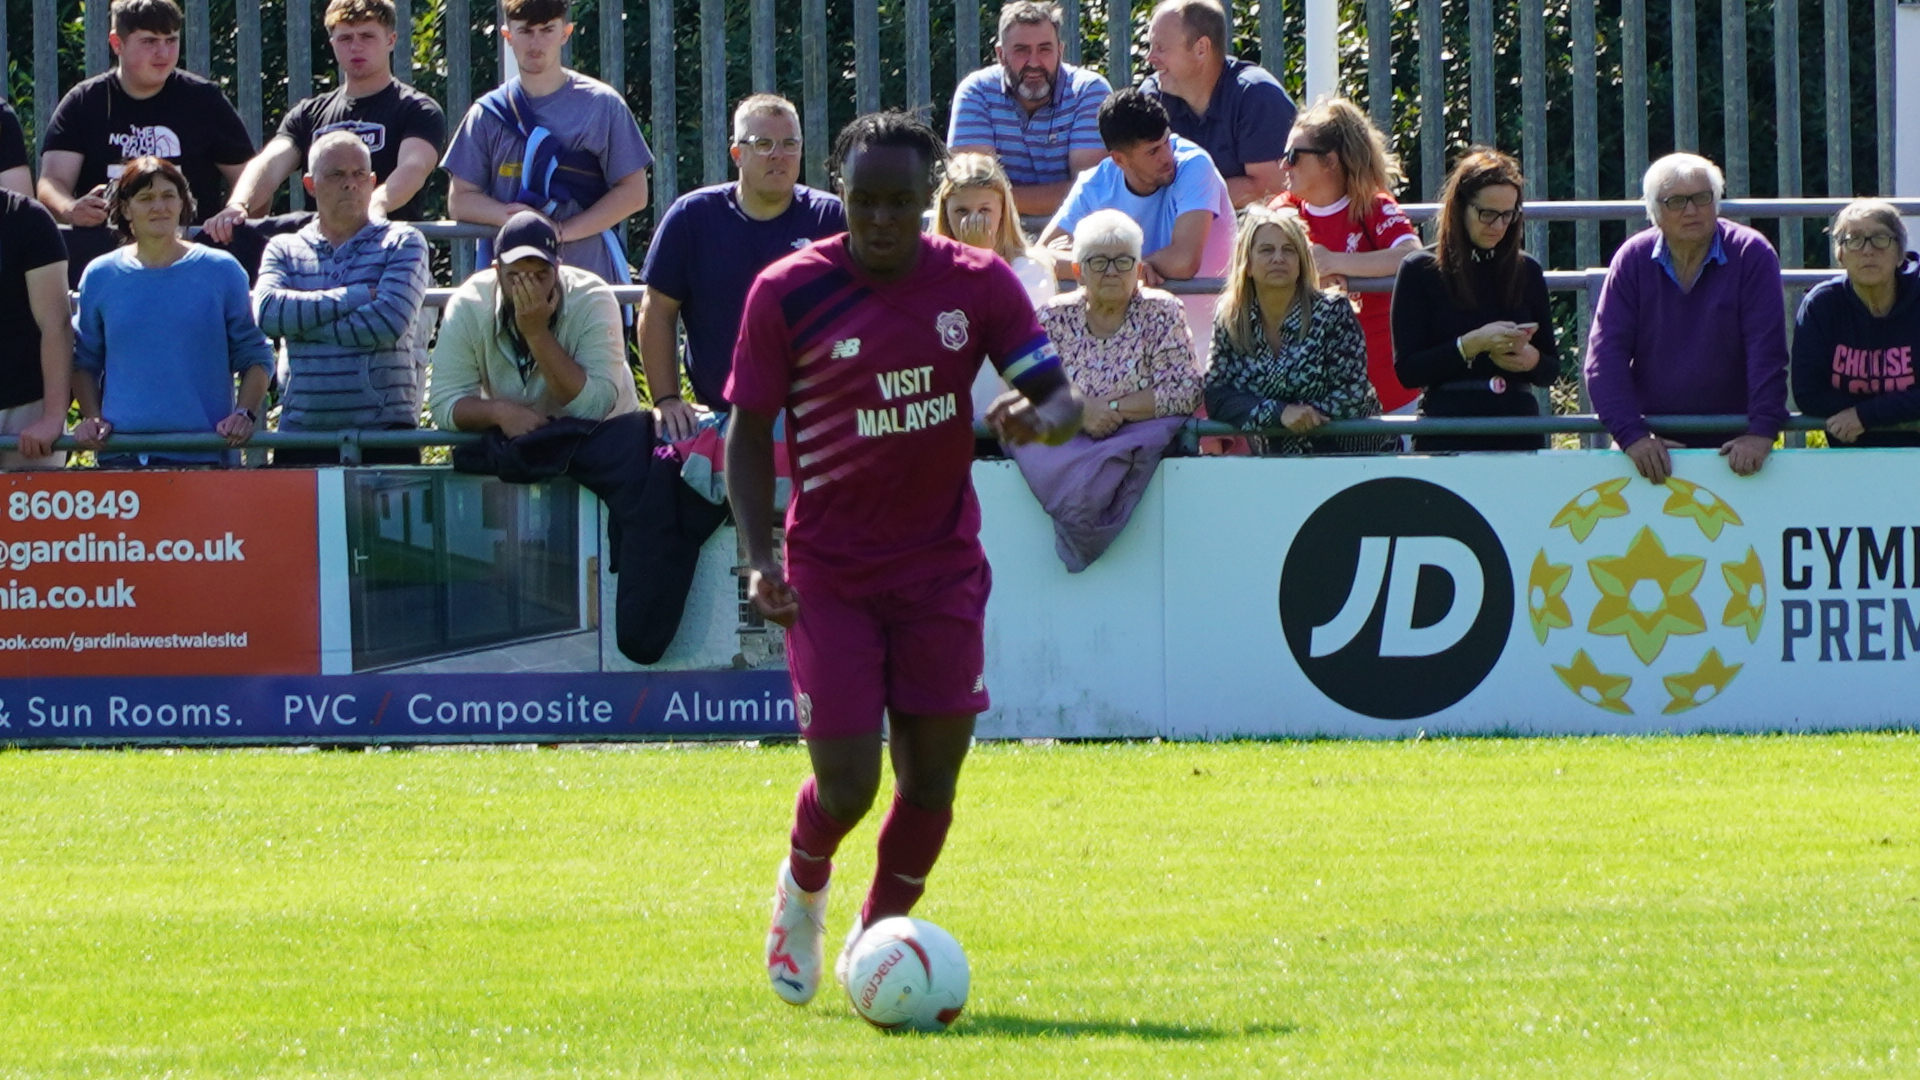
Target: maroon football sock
column 910, row 842
column 816, row 836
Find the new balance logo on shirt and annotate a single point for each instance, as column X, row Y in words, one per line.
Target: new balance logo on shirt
column 846, row 349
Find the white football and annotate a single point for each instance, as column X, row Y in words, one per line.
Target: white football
column 907, row 974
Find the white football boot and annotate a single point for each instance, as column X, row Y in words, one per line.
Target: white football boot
column 796, row 941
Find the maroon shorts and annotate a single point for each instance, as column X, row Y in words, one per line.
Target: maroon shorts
column 919, row 649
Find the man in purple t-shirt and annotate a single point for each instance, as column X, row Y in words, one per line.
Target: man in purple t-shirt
column 1690, row 320
column 871, row 341
column 766, row 215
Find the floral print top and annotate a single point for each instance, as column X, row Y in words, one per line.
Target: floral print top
column 1152, row 350
column 1325, row 368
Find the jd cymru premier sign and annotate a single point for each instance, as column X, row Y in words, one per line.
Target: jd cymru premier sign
column 1554, row 593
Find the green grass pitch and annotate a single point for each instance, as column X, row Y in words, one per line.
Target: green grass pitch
column 1687, row 908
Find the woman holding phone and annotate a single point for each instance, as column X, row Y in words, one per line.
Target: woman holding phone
column 1471, row 325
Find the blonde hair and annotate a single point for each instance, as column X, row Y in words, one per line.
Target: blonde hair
column 1367, row 166
column 981, row 171
column 1235, row 311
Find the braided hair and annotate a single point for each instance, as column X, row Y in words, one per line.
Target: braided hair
column 890, row 128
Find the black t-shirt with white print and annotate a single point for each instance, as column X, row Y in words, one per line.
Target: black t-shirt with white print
column 189, row 122
column 382, row 120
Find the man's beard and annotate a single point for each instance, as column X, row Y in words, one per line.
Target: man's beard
column 1027, row 93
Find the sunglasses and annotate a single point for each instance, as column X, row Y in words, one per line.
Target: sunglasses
column 1292, row 156
column 1100, row 264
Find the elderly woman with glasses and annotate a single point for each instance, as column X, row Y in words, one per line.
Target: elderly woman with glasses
column 1127, row 350
column 1690, row 320
column 1470, row 318
column 1855, row 337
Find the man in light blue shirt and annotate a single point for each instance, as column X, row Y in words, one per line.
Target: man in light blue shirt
column 1037, row 114
column 1160, row 180
column 1166, row 184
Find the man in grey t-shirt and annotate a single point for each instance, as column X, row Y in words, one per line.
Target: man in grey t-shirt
column 601, row 178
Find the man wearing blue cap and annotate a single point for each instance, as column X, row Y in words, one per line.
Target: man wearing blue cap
column 528, row 339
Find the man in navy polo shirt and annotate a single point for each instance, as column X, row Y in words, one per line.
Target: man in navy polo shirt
column 1234, row 110
column 764, row 216
column 1038, row 115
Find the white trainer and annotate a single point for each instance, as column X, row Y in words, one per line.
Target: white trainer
column 796, row 941
column 845, row 959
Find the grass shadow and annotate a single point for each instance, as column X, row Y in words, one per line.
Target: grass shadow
column 1008, row 1025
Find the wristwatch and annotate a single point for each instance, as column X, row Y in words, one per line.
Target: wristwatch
column 252, row 417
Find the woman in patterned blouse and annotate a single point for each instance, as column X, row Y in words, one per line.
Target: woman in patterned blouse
column 1128, row 352
column 1125, row 346
column 1285, row 354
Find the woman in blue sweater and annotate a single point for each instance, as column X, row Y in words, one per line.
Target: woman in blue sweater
column 164, row 327
column 1856, row 337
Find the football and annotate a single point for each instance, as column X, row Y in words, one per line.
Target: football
column 907, row 975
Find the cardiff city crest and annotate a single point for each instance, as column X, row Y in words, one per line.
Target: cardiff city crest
column 953, row 329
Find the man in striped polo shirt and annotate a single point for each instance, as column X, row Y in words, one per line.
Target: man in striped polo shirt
column 345, row 292
column 1036, row 113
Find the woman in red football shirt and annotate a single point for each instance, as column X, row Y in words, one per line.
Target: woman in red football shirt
column 1340, row 175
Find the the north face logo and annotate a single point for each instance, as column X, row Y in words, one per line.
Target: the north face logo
column 156, row 141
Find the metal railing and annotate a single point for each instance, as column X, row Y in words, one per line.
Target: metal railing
column 1557, row 280
column 351, row 442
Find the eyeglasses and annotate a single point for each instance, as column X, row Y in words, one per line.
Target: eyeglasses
column 765, row 146
column 1677, row 203
column 1292, row 156
column 1100, row 264
column 1489, row 217
column 1855, row 242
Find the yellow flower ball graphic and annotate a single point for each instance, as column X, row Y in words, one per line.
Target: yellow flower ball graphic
column 1644, row 596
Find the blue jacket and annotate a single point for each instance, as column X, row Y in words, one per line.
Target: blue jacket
column 1844, row 357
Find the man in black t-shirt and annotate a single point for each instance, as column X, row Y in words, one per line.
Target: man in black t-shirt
column 16, row 169
column 36, row 352
column 403, row 128
column 145, row 105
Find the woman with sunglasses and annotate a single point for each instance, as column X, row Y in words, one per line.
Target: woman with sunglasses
column 1470, row 318
column 1855, row 337
column 1340, row 176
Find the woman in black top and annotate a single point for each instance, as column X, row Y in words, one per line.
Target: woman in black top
column 1470, row 318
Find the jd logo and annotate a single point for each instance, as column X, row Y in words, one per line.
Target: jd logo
column 1396, row 598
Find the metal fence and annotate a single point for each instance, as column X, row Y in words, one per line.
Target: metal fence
column 1399, row 66
column 351, row 443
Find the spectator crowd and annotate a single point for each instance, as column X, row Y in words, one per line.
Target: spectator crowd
column 1204, row 170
